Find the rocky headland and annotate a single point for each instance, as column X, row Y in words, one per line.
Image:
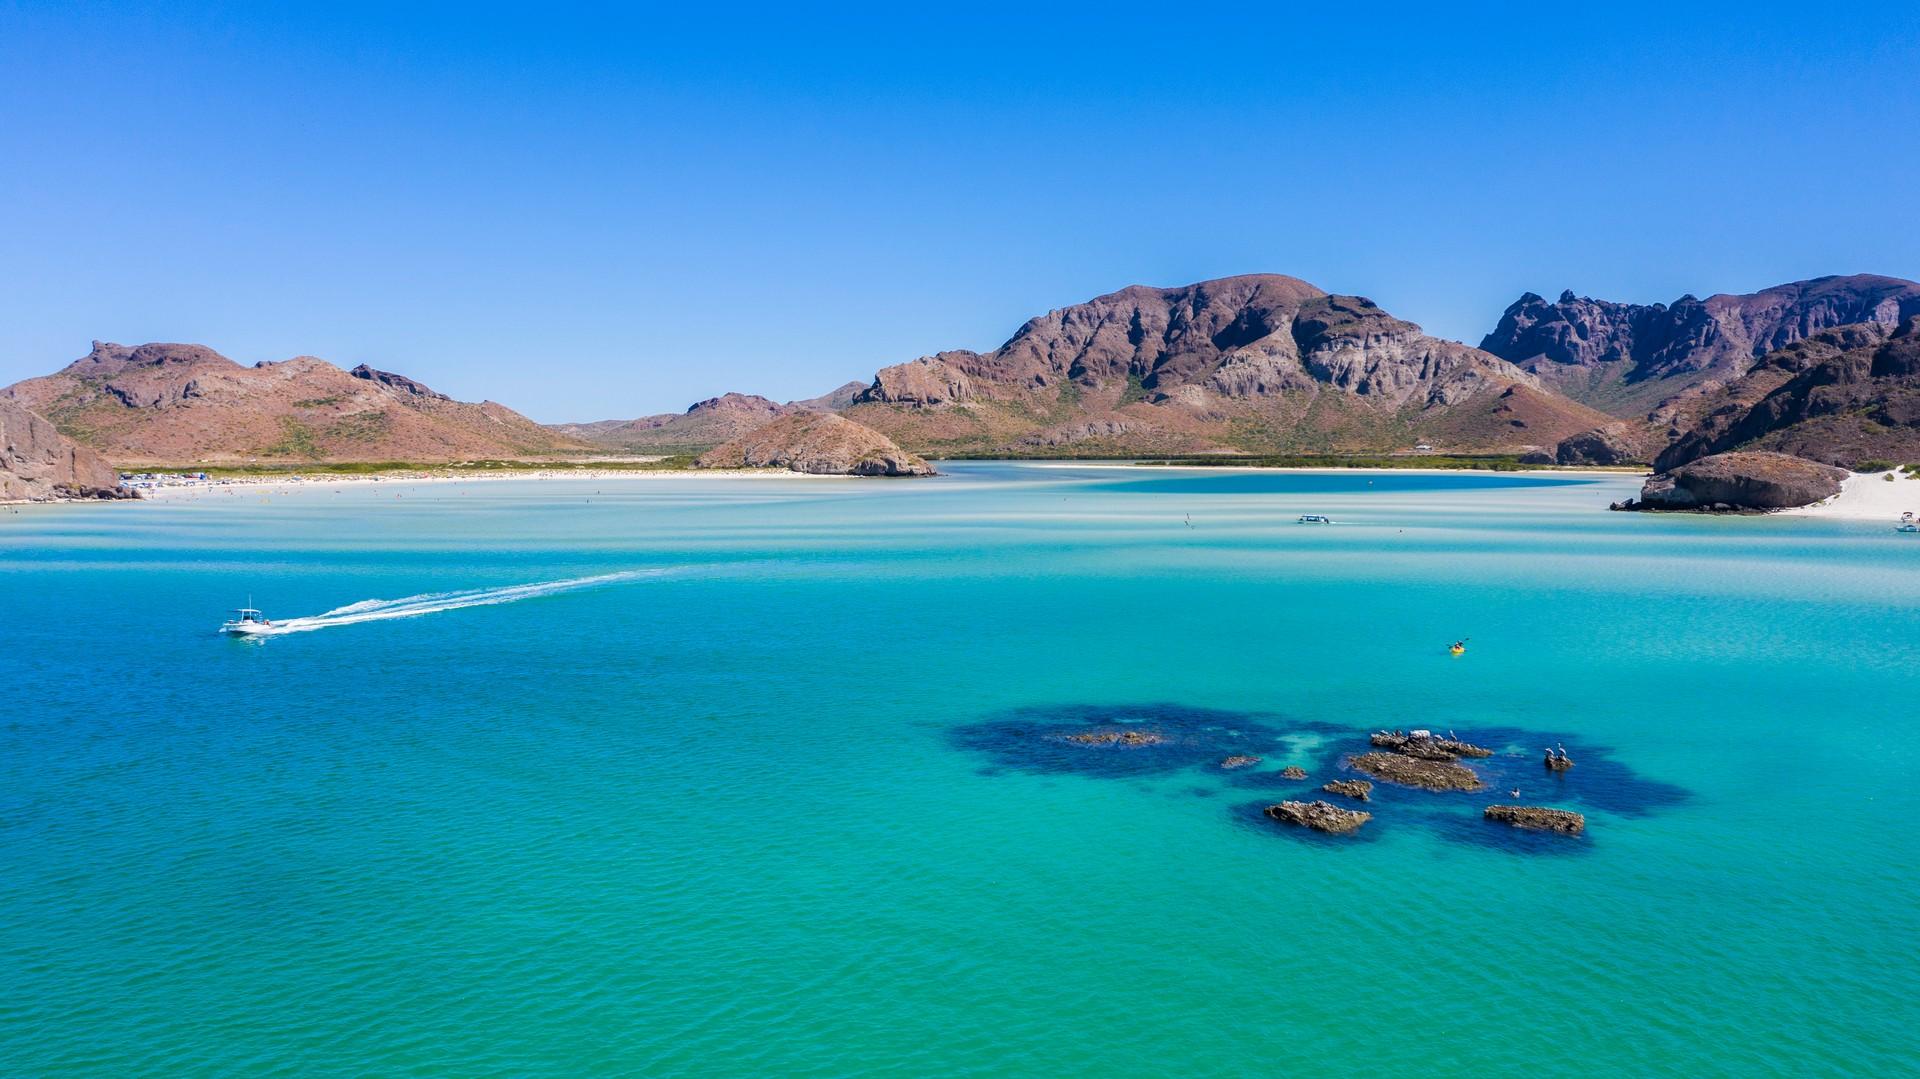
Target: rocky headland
column 39, row 464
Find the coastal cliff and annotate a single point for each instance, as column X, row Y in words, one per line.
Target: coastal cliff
column 38, row 463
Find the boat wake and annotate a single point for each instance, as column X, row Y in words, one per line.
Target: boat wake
column 380, row 610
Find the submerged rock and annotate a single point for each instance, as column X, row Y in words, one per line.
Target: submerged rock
column 1239, row 760
column 1539, row 818
column 1433, row 775
column 1319, row 816
column 1357, row 789
column 1293, row 771
column 1117, row 738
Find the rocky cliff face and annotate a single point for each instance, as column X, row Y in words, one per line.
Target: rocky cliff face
column 1844, row 396
column 819, row 443
column 1257, row 363
column 1630, row 359
column 37, row 462
column 179, row 404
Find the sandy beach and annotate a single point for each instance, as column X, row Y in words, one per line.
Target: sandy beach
column 1868, row 496
column 181, row 488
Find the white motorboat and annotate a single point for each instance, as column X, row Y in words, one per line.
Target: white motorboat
column 1315, row 519
column 247, row 622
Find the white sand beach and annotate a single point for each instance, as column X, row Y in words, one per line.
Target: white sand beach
column 175, row 488
column 1868, row 496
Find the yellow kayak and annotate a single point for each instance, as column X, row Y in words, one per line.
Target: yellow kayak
column 1456, row 650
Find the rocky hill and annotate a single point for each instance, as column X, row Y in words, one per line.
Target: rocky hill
column 38, row 462
column 178, row 404
column 1635, row 360
column 1258, row 363
column 1843, row 396
column 705, row 425
column 817, row 442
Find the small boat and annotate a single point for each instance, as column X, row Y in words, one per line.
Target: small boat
column 1315, row 519
column 1907, row 527
column 247, row 622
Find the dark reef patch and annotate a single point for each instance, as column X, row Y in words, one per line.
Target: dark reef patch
column 1185, row 739
column 1043, row 739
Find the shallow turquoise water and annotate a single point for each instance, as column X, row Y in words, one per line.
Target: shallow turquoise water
column 788, row 805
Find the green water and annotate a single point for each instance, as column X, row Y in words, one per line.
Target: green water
column 788, row 798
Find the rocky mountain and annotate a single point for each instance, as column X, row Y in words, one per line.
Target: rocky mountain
column 817, row 442
column 1843, row 396
column 177, row 404
column 37, row 462
column 1634, row 360
column 1254, row 363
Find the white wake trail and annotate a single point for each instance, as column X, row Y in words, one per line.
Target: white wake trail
column 376, row 610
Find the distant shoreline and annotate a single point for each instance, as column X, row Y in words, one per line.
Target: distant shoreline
column 432, row 475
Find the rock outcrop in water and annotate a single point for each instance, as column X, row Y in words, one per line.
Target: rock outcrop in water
column 1293, row 771
column 1540, row 819
column 1319, row 816
column 1357, row 789
column 1433, row 775
column 1741, row 481
column 1239, row 761
column 820, row 443
column 1427, row 745
column 38, row 463
column 1118, row 738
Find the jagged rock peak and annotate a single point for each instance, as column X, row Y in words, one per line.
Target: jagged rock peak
column 398, row 382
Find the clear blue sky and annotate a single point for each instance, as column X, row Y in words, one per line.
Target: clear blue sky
column 586, row 213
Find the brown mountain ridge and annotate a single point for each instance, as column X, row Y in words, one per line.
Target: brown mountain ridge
column 176, row 404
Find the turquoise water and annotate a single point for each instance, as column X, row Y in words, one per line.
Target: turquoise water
column 786, row 797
